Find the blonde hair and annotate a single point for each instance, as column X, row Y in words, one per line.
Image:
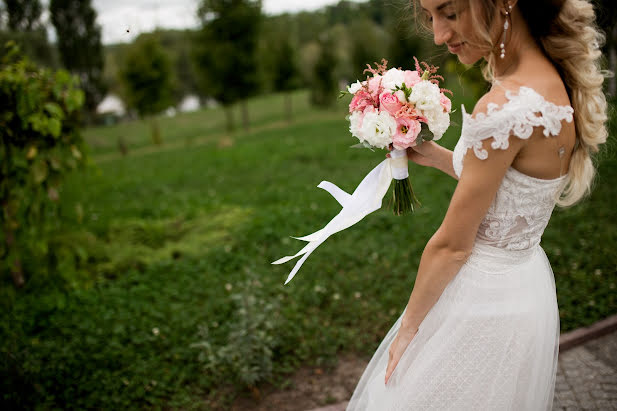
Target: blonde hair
column 567, row 32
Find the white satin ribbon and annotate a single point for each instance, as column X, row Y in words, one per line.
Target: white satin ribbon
column 366, row 198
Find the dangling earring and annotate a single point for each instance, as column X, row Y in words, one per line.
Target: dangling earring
column 505, row 30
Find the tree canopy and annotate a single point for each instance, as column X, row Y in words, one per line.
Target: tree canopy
column 79, row 44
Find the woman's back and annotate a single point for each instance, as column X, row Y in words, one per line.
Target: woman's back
column 523, row 203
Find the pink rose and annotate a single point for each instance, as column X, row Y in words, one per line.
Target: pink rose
column 445, row 103
column 411, row 78
column 360, row 100
column 374, row 85
column 407, row 130
column 389, row 102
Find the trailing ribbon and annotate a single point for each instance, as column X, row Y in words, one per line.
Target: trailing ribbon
column 366, row 198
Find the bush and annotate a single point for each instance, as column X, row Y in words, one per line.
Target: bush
column 40, row 144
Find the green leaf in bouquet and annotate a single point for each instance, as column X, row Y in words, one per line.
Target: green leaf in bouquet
column 425, row 133
column 363, row 144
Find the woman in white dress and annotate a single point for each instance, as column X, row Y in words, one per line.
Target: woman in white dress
column 481, row 328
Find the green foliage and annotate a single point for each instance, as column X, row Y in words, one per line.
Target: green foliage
column 23, row 15
column 404, row 41
column 147, row 76
column 79, row 44
column 285, row 67
column 367, row 46
column 324, row 84
column 247, row 358
column 34, row 44
column 228, row 49
column 41, row 144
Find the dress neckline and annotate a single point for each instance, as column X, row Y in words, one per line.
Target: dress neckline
column 540, row 180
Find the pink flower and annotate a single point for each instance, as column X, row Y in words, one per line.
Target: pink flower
column 360, row 100
column 374, row 85
column 369, row 109
column 445, row 103
column 389, row 102
column 407, row 130
column 411, row 78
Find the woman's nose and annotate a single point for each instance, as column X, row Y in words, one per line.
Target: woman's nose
column 441, row 31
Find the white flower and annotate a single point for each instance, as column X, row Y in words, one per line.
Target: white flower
column 393, row 78
column 426, row 96
column 355, row 124
column 401, row 96
column 353, row 88
column 378, row 128
column 438, row 121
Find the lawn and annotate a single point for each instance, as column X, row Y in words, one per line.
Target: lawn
column 169, row 300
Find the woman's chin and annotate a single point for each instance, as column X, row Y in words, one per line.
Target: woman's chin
column 467, row 59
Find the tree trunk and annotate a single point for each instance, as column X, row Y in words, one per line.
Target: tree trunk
column 245, row 115
column 156, row 131
column 288, row 109
column 229, row 115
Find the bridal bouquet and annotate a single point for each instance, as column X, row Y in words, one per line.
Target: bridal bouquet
column 399, row 109
column 391, row 109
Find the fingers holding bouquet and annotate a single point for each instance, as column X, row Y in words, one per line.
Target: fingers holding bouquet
column 422, row 154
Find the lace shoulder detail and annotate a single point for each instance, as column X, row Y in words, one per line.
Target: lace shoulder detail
column 518, row 116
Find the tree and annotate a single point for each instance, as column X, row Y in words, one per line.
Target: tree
column 323, row 89
column 23, row 15
column 286, row 72
column 20, row 21
column 147, row 77
column 404, row 43
column 366, row 48
column 227, row 56
column 40, row 144
column 79, row 44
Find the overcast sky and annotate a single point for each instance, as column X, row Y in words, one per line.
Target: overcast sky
column 116, row 16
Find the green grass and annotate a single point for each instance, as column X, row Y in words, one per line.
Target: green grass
column 173, row 299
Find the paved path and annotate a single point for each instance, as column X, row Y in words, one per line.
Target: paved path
column 586, row 377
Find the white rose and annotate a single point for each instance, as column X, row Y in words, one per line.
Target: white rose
column 353, row 88
column 393, row 78
column 378, row 129
column 355, row 124
column 425, row 96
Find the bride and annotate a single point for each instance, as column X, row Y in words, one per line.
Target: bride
column 481, row 328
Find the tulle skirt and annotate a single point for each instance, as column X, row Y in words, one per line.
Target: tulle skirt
column 489, row 343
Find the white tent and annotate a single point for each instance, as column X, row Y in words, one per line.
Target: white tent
column 111, row 104
column 189, row 103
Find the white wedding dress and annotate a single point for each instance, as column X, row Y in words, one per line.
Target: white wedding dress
column 491, row 340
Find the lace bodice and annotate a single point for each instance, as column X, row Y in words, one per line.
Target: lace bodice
column 523, row 204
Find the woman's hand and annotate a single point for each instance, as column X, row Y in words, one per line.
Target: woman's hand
column 423, row 154
column 397, row 348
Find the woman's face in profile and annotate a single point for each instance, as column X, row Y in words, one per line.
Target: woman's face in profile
column 452, row 24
